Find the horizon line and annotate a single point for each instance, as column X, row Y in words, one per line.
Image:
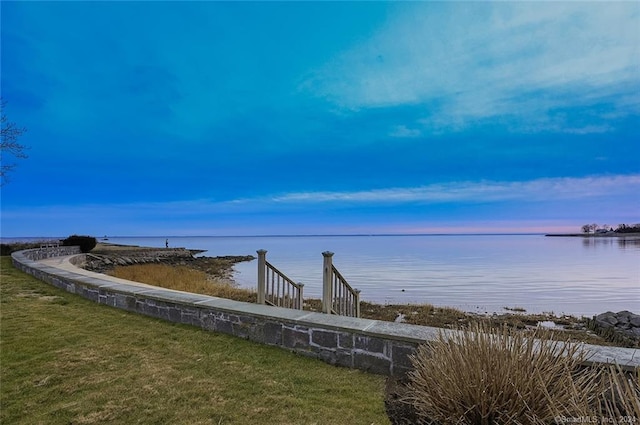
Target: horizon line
column 99, row 238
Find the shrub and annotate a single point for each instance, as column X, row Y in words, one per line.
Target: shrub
column 489, row 376
column 86, row 243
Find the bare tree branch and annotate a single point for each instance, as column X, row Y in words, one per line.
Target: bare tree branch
column 10, row 133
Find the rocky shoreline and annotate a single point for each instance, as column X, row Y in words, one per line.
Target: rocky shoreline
column 622, row 327
column 104, row 257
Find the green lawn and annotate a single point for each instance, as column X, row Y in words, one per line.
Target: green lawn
column 64, row 359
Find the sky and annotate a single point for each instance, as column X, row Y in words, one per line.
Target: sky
column 264, row 118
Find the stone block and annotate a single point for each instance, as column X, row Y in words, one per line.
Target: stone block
column 400, row 353
column 107, row 298
column 150, row 309
column 90, row 294
column 345, row 340
column 242, row 330
column 256, row 333
column 400, row 356
column 372, row 363
column 163, row 312
column 125, row 302
column 233, row 318
column 272, row 333
column 370, row 344
column 208, row 321
column 324, row 338
column 174, row 314
column 344, row 358
column 190, row 316
column 296, row 338
column 224, row 326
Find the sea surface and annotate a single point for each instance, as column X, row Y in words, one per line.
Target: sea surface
column 477, row 273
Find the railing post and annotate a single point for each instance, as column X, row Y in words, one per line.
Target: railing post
column 357, row 302
column 262, row 276
column 327, row 274
column 300, row 299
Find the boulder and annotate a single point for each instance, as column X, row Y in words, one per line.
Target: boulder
column 607, row 320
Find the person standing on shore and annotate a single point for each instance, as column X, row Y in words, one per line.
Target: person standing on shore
column 166, row 243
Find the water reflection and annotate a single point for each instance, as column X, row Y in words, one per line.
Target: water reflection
column 622, row 242
column 629, row 243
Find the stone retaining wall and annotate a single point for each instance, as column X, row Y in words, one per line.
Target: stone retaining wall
column 369, row 345
column 49, row 252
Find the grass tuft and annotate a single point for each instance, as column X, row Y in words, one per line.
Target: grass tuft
column 483, row 375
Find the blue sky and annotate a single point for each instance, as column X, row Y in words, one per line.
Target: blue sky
column 216, row 118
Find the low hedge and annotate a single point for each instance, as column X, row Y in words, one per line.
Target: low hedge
column 86, row 243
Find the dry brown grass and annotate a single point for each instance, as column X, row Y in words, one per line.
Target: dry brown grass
column 484, row 376
column 183, row 278
column 624, row 401
column 616, row 397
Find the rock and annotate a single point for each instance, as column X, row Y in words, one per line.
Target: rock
column 621, row 327
column 607, row 320
column 623, row 319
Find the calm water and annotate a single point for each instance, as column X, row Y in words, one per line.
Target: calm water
column 473, row 272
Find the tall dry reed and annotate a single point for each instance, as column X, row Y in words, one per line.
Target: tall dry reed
column 616, row 398
column 183, row 278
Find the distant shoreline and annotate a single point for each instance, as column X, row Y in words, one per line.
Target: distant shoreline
column 595, row 235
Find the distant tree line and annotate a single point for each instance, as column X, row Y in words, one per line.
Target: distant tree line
column 622, row 228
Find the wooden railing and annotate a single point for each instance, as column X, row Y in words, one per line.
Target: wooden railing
column 275, row 288
column 338, row 297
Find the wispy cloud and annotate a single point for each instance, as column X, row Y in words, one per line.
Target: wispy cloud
column 546, row 189
column 485, row 191
column 402, row 131
column 470, row 61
